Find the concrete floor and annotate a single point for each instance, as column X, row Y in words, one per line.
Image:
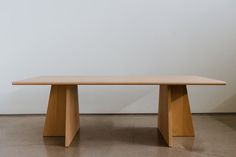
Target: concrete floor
column 118, row 135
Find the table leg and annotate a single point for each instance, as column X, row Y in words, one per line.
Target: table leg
column 174, row 117
column 62, row 117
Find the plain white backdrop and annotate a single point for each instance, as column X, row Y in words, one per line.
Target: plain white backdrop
column 117, row 37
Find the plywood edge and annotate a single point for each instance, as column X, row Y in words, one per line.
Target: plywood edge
column 114, row 83
column 118, row 80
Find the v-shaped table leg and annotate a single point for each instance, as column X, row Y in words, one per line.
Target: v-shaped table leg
column 174, row 117
column 62, row 117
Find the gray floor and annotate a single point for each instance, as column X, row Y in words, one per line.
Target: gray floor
column 120, row 135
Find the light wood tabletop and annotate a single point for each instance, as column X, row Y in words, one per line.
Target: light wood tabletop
column 119, row 80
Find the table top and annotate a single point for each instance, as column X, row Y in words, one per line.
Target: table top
column 119, row 80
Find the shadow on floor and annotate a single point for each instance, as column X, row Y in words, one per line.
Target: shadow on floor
column 138, row 136
column 227, row 119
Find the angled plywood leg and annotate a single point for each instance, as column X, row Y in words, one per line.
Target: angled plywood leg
column 174, row 117
column 62, row 117
column 182, row 124
column 164, row 114
column 55, row 118
column 72, row 114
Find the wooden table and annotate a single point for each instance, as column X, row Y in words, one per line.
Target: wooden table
column 174, row 118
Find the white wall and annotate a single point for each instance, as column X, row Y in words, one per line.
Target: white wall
column 117, row 37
